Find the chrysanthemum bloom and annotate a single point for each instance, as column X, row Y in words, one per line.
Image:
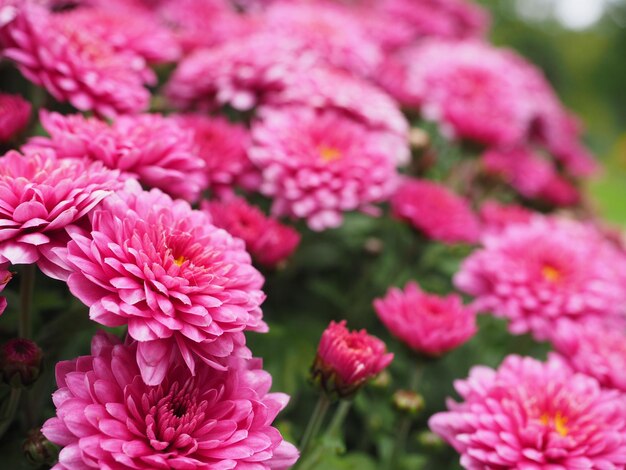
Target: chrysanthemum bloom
column 533, row 415
column 429, row 324
column 184, row 287
column 108, row 418
column 436, row 211
column 224, row 148
column 71, row 62
column 42, row 197
column 495, row 216
column 317, row 165
column 539, row 273
column 346, row 359
column 594, row 348
column 150, row 147
column 5, row 277
column 14, row 115
column 267, row 240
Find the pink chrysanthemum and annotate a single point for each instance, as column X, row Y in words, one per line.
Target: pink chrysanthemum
column 150, row 147
column 346, row 359
column 14, row 115
column 267, row 240
column 71, row 62
column 5, row 277
column 183, row 287
column 427, row 323
column 533, row 415
column 548, row 270
column 434, row 210
column 317, row 165
column 224, row 148
column 108, row 418
column 495, row 217
column 42, row 197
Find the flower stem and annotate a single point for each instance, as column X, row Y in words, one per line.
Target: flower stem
column 315, row 423
column 9, row 407
column 339, row 417
column 27, row 285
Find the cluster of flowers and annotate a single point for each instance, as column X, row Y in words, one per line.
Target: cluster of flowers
column 318, row 89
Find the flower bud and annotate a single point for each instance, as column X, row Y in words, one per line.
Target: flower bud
column 430, row 440
column 38, row 450
column 408, row 402
column 20, row 362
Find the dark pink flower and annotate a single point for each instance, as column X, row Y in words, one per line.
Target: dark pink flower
column 184, row 287
column 268, row 241
column 108, row 418
column 20, row 362
column 71, row 62
column 346, row 359
column 436, row 211
column 150, row 147
column 427, row 323
column 42, row 198
column 495, row 216
column 533, row 415
column 14, row 115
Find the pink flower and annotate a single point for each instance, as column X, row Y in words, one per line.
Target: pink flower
column 495, row 217
column 427, row 323
column 267, row 240
column 346, row 360
column 543, row 272
column 150, row 147
column 42, row 198
column 108, row 418
column 533, row 415
column 5, row 277
column 184, row 287
column 71, row 62
column 434, row 210
column 224, row 148
column 14, row 116
column 317, row 165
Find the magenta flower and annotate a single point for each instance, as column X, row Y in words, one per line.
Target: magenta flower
column 150, row 147
column 346, row 359
column 108, row 418
column 267, row 240
column 184, row 287
column 427, row 323
column 533, row 415
column 317, row 165
column 540, row 273
column 224, row 148
column 434, row 210
column 5, row 277
column 14, row 115
column 495, row 217
column 71, row 62
column 42, row 198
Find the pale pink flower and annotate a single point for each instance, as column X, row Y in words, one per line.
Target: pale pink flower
column 533, row 415
column 71, row 62
column 42, row 198
column 184, row 287
column 5, row 277
column 224, row 148
column 107, row 417
column 429, row 324
column 435, row 211
column 495, row 217
column 152, row 148
column 14, row 115
column 267, row 240
column 346, row 360
column 548, row 270
column 317, row 165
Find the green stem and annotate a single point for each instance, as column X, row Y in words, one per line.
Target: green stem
column 339, row 417
column 8, row 410
column 315, row 423
column 27, row 285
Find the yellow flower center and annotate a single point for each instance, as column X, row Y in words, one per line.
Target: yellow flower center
column 550, row 273
column 558, row 422
column 179, row 261
column 329, row 154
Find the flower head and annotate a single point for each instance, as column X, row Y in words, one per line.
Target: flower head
column 317, row 165
column 268, row 241
column 427, row 323
column 43, row 197
column 346, row 359
column 107, row 417
column 529, row 414
column 20, row 362
column 435, row 211
column 184, row 287
column 495, row 217
column 152, row 148
column 14, row 115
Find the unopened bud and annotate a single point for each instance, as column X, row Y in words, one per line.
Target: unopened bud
column 430, row 440
column 382, row 380
column 373, row 246
column 408, row 402
column 20, row 362
column 38, row 450
column 418, row 138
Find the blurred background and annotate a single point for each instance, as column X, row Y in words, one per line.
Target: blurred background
column 581, row 46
